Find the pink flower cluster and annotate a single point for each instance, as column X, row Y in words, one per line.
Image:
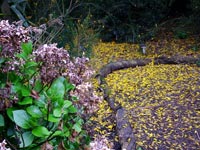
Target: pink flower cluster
column 3, row 145
column 88, row 99
column 11, row 37
column 56, row 62
column 101, row 143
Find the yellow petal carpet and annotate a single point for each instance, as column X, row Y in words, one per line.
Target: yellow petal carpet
column 162, row 101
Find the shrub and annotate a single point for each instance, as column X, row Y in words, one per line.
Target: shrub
column 38, row 102
column 81, row 37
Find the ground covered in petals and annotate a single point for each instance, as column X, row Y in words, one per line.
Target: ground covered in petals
column 162, row 101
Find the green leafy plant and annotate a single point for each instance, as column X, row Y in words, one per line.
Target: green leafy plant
column 80, row 37
column 40, row 114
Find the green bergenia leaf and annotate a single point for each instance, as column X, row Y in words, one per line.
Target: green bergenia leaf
column 72, row 109
column 67, row 103
column 21, row 118
column 27, row 48
column 77, row 127
column 9, row 112
column 68, row 86
column 52, row 118
column 57, row 112
column 25, row 91
column 57, row 89
column 26, row 101
column 34, row 111
column 27, row 140
column 41, row 132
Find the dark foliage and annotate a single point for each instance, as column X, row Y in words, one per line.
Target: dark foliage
column 119, row 20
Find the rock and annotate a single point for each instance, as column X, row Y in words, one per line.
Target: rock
column 125, row 132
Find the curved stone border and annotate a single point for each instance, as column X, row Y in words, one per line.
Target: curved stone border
column 109, row 68
column 124, row 130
